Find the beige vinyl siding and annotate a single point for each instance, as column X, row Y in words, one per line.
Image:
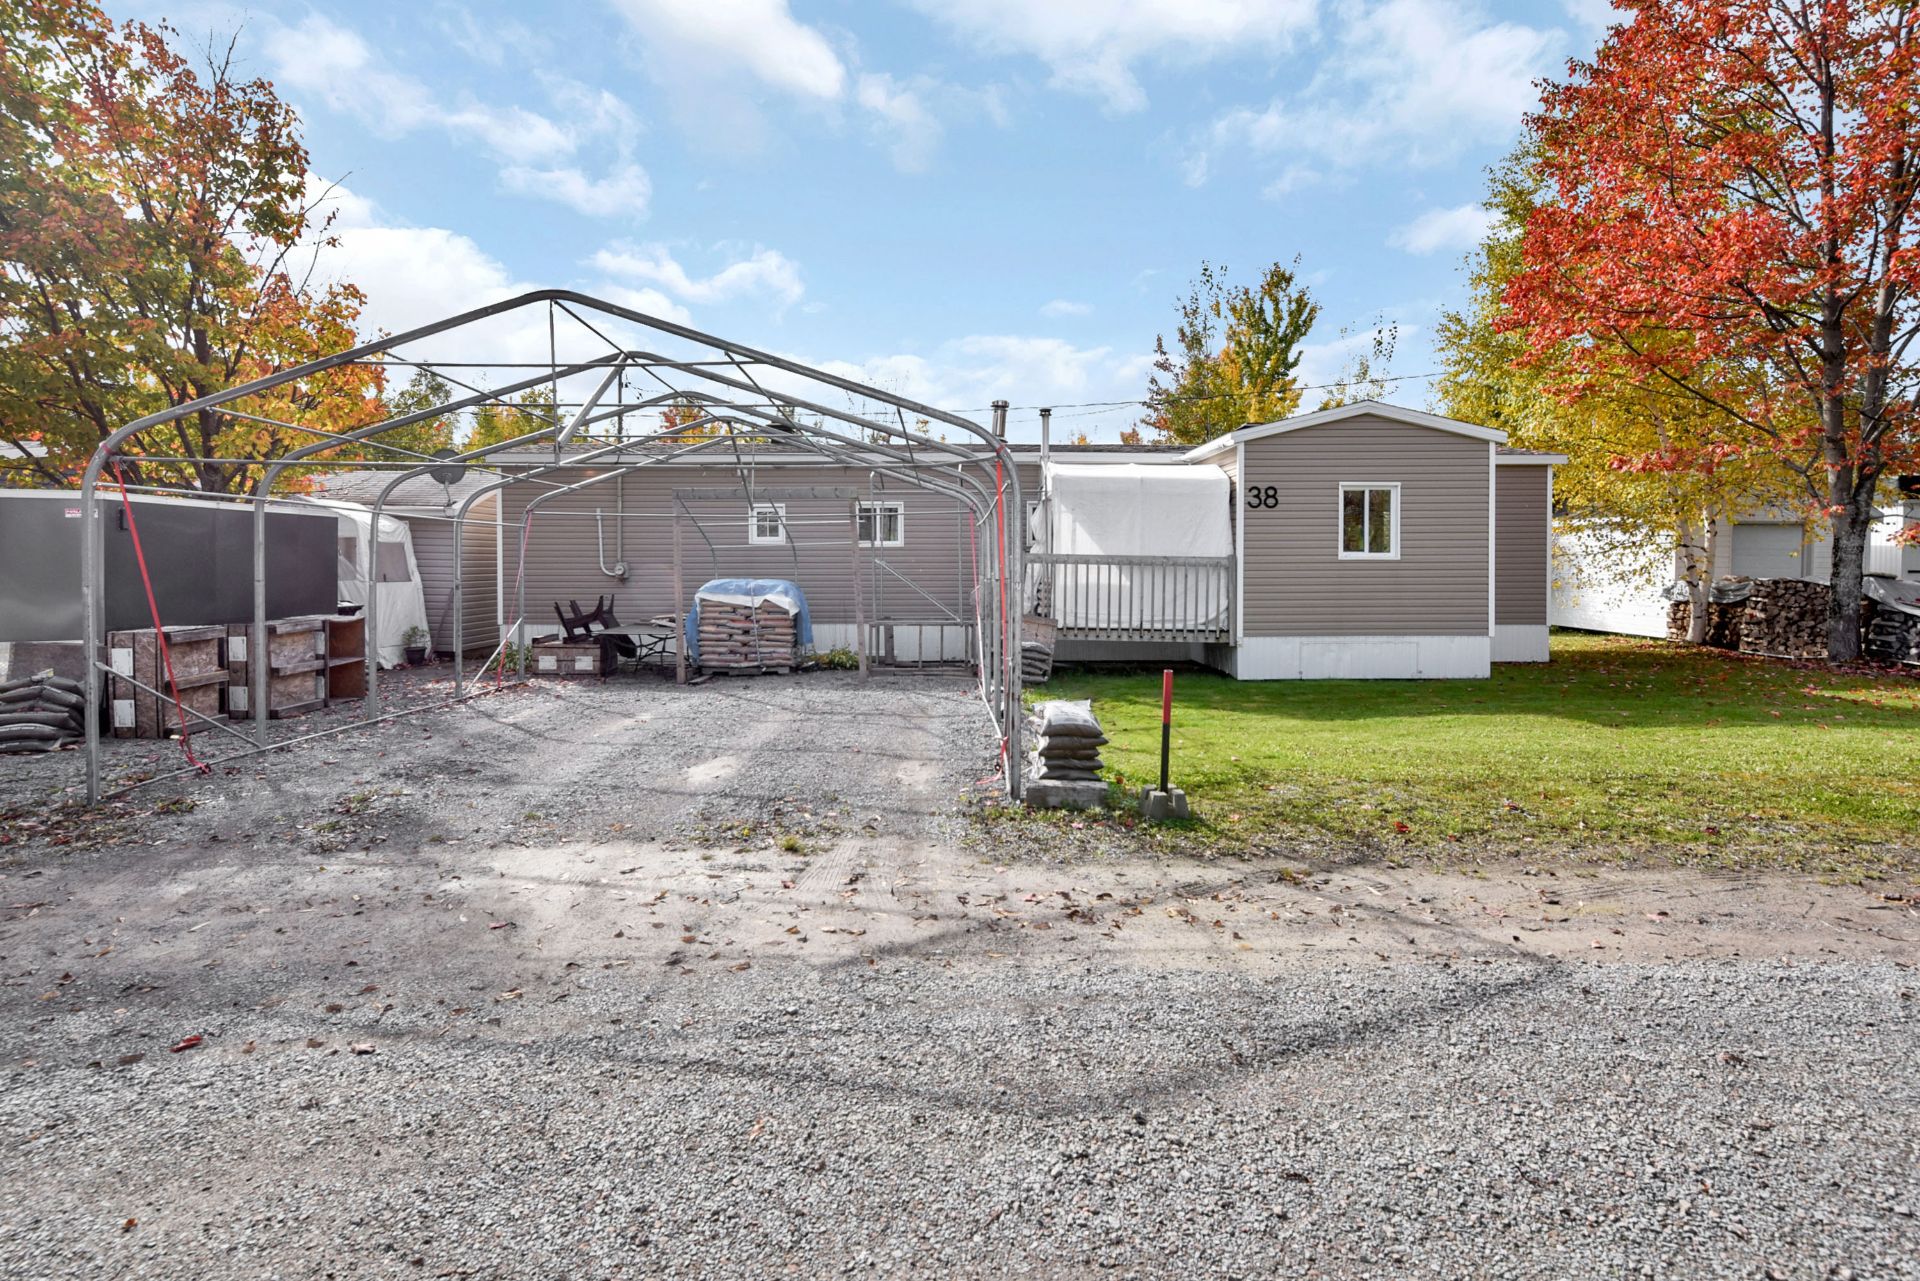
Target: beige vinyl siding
column 433, row 554
column 479, row 590
column 1295, row 582
column 562, row 558
column 1521, row 545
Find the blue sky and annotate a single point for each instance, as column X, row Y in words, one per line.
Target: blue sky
column 954, row 199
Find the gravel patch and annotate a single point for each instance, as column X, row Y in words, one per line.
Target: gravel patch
column 628, row 980
column 1497, row 1119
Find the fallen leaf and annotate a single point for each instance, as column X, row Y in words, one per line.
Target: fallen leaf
column 186, row 1043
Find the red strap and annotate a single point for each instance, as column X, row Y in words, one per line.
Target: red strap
column 160, row 633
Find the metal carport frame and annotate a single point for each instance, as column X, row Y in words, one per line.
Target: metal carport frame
column 883, row 442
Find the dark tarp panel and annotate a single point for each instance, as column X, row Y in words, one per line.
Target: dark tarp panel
column 200, row 555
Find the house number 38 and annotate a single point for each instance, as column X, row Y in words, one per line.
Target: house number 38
column 1263, row 496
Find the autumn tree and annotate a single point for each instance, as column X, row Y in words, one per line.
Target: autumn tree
column 1646, row 463
column 1237, row 349
column 155, row 246
column 497, row 421
column 1729, row 183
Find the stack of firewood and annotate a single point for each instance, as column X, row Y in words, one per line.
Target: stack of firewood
column 745, row 638
column 1724, row 619
column 1890, row 635
column 1786, row 618
column 41, row 713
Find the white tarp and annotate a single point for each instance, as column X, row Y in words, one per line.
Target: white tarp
column 403, row 602
column 1139, row 509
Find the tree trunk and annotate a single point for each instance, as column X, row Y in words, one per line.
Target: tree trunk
column 1696, row 571
column 1853, row 517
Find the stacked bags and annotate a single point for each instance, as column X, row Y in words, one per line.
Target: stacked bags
column 1067, row 741
column 41, row 713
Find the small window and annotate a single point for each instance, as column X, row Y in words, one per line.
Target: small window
column 1369, row 521
column 768, row 525
column 882, row 525
column 390, row 561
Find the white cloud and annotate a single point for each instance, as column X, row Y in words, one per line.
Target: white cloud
column 1063, row 307
column 413, row 276
column 512, row 132
column 761, row 36
column 1595, row 15
column 764, row 272
column 1322, row 363
column 650, row 301
column 624, row 190
column 1093, row 46
column 332, row 63
column 1461, row 227
column 902, row 118
column 1406, row 81
column 966, row 374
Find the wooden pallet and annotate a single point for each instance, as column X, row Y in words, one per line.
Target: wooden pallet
column 199, row 677
column 296, row 668
column 564, row 658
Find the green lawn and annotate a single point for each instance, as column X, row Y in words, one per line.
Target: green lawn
column 1617, row 747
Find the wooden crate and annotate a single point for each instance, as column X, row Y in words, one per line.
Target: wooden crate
column 198, row 676
column 346, row 658
column 296, row 668
column 564, row 658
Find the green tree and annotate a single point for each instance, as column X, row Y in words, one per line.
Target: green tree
column 424, row 390
column 496, row 421
column 154, row 242
column 1364, row 376
column 1237, row 350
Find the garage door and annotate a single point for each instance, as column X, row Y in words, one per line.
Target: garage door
column 1768, row 551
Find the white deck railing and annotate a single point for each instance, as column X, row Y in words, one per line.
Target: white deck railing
column 1133, row 598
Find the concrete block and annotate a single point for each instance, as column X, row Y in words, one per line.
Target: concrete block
column 1064, row 794
column 1156, row 805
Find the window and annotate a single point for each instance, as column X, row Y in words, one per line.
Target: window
column 882, row 525
column 390, row 561
column 768, row 524
column 1369, row 521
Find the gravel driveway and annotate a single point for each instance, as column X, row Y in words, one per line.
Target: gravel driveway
column 593, row 982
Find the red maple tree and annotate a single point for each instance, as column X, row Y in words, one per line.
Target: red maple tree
column 1730, row 185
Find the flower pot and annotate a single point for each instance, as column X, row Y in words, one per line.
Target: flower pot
column 416, row 655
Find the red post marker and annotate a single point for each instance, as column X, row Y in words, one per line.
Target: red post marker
column 1166, row 722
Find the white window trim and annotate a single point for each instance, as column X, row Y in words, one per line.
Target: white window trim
column 754, row 537
column 1340, row 519
column 879, row 506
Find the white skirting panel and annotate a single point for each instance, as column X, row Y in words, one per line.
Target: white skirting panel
column 912, row 642
column 1285, row 658
column 1520, row 643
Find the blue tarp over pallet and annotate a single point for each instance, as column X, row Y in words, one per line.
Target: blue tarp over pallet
column 751, row 591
